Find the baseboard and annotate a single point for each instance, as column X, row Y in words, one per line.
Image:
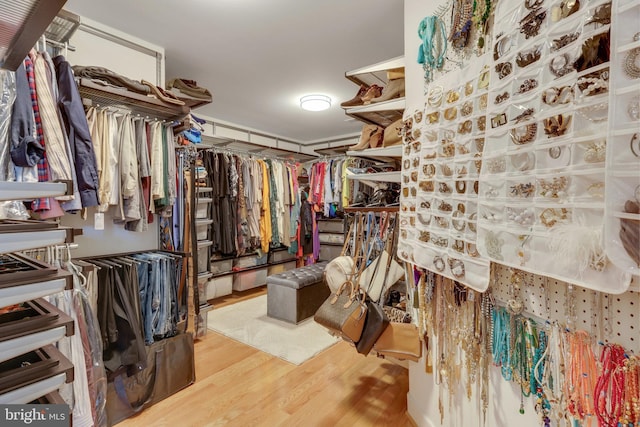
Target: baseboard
column 411, row 420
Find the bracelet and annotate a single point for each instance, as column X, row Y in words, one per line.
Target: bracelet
column 472, row 250
column 450, row 113
column 457, row 268
column 424, row 220
column 502, row 47
column 554, row 95
column 461, row 187
column 458, row 246
column 524, row 134
column 561, row 65
column 435, row 96
column 527, row 85
column 438, row 263
column 457, row 220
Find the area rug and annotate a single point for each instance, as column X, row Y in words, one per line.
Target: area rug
column 248, row 323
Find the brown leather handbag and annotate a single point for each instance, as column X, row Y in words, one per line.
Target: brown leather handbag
column 343, row 313
column 400, row 341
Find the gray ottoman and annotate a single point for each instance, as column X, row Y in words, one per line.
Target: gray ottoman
column 297, row 294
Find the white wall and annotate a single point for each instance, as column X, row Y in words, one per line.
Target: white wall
column 97, row 44
column 422, row 399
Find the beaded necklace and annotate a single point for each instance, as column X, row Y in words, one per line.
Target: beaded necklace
column 462, row 14
column 542, row 405
column 609, row 387
column 501, row 342
column 433, row 49
column 631, row 393
column 522, row 356
column 580, row 379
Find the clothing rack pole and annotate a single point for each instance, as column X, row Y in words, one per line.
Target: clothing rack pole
column 97, row 257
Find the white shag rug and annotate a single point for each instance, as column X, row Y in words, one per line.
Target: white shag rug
column 248, row 323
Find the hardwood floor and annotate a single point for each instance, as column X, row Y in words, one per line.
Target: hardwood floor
column 237, row 385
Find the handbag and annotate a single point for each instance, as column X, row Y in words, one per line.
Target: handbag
column 338, row 270
column 343, row 313
column 400, row 341
column 170, row 368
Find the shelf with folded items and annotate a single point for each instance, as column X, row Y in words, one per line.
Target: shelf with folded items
column 376, row 73
column 94, row 94
column 393, row 176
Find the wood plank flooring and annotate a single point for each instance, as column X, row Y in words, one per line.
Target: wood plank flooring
column 237, row 385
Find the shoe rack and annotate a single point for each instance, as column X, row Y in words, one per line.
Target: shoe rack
column 379, row 113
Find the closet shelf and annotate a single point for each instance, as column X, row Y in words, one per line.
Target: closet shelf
column 32, row 190
column 94, row 94
column 372, row 209
column 376, row 73
column 379, row 113
column 376, row 177
column 383, row 153
column 21, row 240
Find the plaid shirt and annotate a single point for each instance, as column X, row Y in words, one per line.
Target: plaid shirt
column 43, row 166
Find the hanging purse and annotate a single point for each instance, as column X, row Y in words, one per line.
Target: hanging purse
column 339, row 269
column 400, row 341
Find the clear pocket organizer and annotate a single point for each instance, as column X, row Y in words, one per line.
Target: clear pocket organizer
column 591, row 84
column 556, row 96
column 626, row 149
column 521, row 162
column 561, row 10
column 590, row 153
column 495, row 165
column 560, row 66
column 519, row 216
column 520, row 189
column 553, row 157
column 587, row 188
column 530, row 57
column 564, row 36
column 524, row 84
column 548, row 217
column 493, row 190
column 533, row 22
column 553, row 188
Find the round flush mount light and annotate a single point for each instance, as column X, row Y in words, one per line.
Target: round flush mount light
column 315, row 102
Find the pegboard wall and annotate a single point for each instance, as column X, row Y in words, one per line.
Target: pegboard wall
column 607, row 317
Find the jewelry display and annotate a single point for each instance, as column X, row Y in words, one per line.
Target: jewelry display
column 458, row 246
column 557, row 125
column 632, row 61
column 502, row 47
column 433, row 117
column 483, row 79
column 482, row 123
column 501, row 98
column 435, row 96
column 561, row 65
column 452, row 96
column 457, row 267
column 557, row 95
column 602, row 15
column 460, row 172
column 530, row 24
column 429, row 170
column 498, row 120
column 444, row 188
column 442, row 242
column 524, row 217
column 555, row 152
column 462, row 148
column 596, row 190
column 426, row 186
column 468, row 88
column 565, row 40
column 472, row 222
column 479, row 144
column 467, row 108
column 595, row 51
column 494, row 244
column 482, row 102
column 446, row 170
column 442, row 222
column 596, row 112
column 524, row 134
column 424, row 236
column 554, row 189
column 450, row 113
column 565, row 9
column 439, row 263
column 523, row 162
column 457, row 220
column 445, row 207
column 497, row 165
column 594, row 83
column 523, row 190
column 634, row 144
column 550, row 216
column 503, row 69
column 465, row 127
column 525, row 115
column 595, row 152
column 528, row 57
column 461, row 187
column 472, row 250
column 424, row 220
column 633, row 109
column 527, row 85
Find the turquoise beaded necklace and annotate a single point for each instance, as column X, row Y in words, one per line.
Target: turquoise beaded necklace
column 429, row 55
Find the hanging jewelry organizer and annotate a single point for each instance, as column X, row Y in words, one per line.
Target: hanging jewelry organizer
column 541, row 195
column 622, row 198
column 550, row 300
column 441, row 163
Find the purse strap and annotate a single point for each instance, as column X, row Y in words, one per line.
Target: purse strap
column 348, row 239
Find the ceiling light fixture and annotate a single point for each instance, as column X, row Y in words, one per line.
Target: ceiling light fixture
column 315, row 102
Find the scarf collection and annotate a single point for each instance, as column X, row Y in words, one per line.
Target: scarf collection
column 256, row 203
column 573, row 379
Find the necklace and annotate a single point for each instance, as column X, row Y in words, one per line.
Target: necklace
column 581, row 377
column 433, row 49
column 462, row 13
column 609, row 387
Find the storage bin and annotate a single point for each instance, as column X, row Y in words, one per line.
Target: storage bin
column 202, row 228
column 249, row 261
column 220, row 286
column 250, row 279
column 331, row 226
column 331, row 238
column 281, row 255
column 201, row 320
column 219, row 266
column 327, row 252
column 281, row 268
column 203, row 255
column 203, row 283
column 202, row 207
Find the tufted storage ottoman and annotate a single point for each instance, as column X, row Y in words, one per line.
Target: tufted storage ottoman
column 296, row 294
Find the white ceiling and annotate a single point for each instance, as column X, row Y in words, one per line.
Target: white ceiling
column 258, row 57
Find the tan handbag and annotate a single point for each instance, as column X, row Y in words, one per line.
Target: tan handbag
column 343, row 313
column 339, row 269
column 393, row 133
column 400, row 341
